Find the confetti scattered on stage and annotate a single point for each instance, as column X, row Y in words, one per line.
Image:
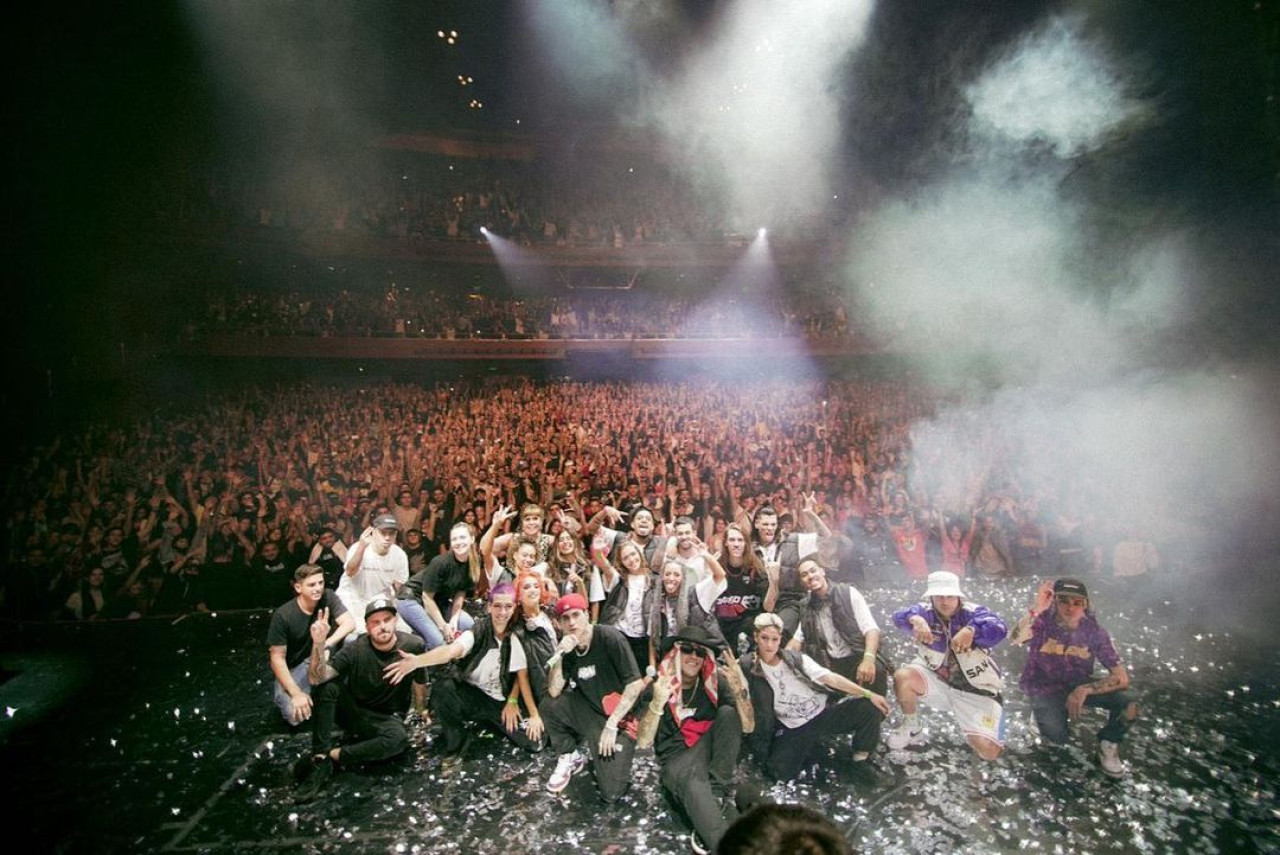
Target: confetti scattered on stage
column 162, row 738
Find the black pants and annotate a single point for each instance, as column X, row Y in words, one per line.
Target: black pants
column 457, row 702
column 379, row 735
column 744, row 626
column 570, row 719
column 696, row 779
column 640, row 650
column 792, row 747
column 848, row 668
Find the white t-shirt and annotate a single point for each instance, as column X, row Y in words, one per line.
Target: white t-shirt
column 595, row 588
column 806, row 545
column 541, row 620
column 696, row 565
column 669, row 613
column 377, row 577
column 708, row 591
column 485, row 676
column 795, row 702
column 633, row 623
column 603, row 540
column 836, row 645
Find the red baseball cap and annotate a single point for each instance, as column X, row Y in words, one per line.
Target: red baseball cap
column 570, row 601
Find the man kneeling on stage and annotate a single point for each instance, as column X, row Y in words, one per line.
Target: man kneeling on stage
column 591, row 694
column 953, row 669
column 351, row 689
column 695, row 722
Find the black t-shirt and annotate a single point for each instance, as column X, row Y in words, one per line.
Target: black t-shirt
column 412, row 589
column 742, row 598
column 444, row 577
column 332, row 564
column 669, row 739
column 360, row 665
column 277, row 569
column 417, row 558
column 271, row 580
column 291, row 627
column 605, row 669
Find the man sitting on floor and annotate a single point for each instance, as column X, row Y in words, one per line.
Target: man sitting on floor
column 352, row 689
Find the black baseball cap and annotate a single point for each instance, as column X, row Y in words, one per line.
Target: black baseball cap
column 1070, row 586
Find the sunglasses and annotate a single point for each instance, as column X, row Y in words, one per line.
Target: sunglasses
column 1072, row 601
column 690, row 650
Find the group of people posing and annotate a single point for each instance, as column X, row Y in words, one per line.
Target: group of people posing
column 615, row 635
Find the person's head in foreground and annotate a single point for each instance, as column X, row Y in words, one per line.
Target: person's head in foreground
column 772, row 829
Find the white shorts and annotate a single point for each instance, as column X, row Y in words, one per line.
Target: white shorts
column 977, row 715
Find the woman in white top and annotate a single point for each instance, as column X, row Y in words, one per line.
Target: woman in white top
column 629, row 591
column 487, row 682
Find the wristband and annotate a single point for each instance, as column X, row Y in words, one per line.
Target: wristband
column 655, row 708
column 513, row 702
column 868, row 655
column 866, row 693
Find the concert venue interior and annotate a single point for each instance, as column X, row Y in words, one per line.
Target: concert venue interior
column 275, row 266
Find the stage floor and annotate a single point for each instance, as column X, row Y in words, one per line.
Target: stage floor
column 155, row 736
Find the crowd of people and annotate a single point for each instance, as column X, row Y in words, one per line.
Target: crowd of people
column 589, row 567
column 212, row 507
column 613, row 201
column 461, row 314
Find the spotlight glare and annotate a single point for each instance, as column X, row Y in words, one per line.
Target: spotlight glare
column 762, row 231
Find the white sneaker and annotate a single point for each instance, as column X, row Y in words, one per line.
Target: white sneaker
column 904, row 736
column 565, row 767
column 696, row 844
column 1109, row 758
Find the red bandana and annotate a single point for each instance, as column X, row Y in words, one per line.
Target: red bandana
column 690, row 729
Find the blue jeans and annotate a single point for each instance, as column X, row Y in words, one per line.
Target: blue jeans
column 283, row 702
column 1051, row 714
column 416, row 616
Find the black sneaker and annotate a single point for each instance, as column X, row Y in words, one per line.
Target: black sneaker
column 865, row 774
column 302, row 768
column 748, row 796
column 728, row 809
column 322, row 773
column 451, row 761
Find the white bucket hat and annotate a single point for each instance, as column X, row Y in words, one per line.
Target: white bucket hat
column 943, row 584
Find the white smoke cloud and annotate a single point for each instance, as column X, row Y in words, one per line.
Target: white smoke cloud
column 970, row 264
column 1072, row 320
column 995, row 257
column 755, row 113
column 1160, row 453
column 588, row 43
column 1055, row 87
column 750, row 113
